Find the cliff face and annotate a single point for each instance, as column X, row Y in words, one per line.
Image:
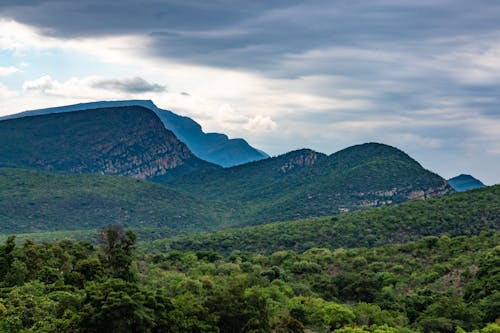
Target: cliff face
column 130, row 141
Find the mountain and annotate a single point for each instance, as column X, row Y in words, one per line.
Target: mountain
column 212, row 147
column 130, row 141
column 306, row 183
column 34, row 201
column 463, row 182
column 467, row 213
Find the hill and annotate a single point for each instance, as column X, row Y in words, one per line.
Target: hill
column 35, row 201
column 212, row 147
column 456, row 214
column 129, row 141
column 305, row 183
column 463, row 182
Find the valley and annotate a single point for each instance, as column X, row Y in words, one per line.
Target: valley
column 107, row 214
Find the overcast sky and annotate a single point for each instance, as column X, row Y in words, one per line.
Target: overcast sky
column 422, row 75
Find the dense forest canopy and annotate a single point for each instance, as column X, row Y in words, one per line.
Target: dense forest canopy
column 435, row 284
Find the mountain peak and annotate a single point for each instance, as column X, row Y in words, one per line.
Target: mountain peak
column 298, row 159
column 464, row 182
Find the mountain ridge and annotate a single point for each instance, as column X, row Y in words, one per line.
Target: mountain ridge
column 305, row 183
column 213, row 147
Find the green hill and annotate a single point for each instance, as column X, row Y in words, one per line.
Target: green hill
column 465, row 213
column 35, row 201
column 305, row 183
column 130, row 141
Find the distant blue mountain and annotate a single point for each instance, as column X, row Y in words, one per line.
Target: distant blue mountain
column 212, row 147
column 463, row 183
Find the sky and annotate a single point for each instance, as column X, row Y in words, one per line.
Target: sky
column 421, row 75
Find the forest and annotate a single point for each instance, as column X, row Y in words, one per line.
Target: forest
column 434, row 284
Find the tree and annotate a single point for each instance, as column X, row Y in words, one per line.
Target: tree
column 115, row 306
column 118, row 246
column 6, row 257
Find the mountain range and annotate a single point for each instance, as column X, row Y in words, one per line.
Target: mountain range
column 212, row 147
column 132, row 141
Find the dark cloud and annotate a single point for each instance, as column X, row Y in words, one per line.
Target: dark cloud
column 133, row 85
column 258, row 34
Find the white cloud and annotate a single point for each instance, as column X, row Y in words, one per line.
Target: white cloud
column 260, row 123
column 44, row 84
column 4, row 71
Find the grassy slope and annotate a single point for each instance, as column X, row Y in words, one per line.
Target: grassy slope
column 34, row 201
column 457, row 214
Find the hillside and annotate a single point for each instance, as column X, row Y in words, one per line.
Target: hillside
column 35, row 201
column 129, row 141
column 212, row 147
column 465, row 213
column 463, row 182
column 305, row 183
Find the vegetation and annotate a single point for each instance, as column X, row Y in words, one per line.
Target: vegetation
column 304, row 183
column 465, row 213
column 129, row 141
column 35, row 201
column 437, row 284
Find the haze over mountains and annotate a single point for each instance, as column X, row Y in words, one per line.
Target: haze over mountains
column 212, row 147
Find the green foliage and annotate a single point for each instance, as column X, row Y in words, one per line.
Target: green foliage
column 115, row 306
column 464, row 213
column 320, row 314
column 72, row 286
column 34, row 201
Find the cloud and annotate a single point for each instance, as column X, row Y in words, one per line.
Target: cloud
column 128, row 85
column 4, row 71
column 260, row 123
column 44, row 84
column 256, row 34
column 92, row 87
